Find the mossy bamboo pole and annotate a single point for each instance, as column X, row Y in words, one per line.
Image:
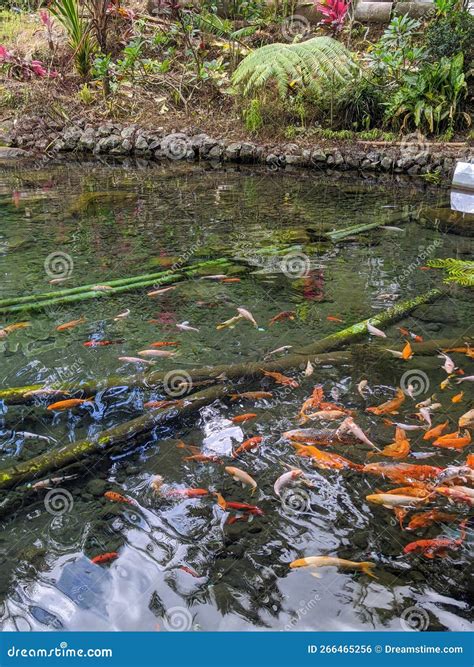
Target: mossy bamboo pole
column 118, row 282
column 163, row 278
column 320, row 352
column 132, row 431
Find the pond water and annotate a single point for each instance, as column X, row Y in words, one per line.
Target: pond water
column 181, row 564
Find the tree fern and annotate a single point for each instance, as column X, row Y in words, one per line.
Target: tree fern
column 214, row 25
column 317, row 62
column 457, row 270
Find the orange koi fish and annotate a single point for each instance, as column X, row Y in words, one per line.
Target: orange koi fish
column 457, row 398
column 284, row 315
column 239, row 507
column 102, row 343
column 334, row 318
column 231, row 280
column 453, row 440
column 403, row 472
column 188, row 493
column 203, row 458
column 161, row 404
column 251, row 443
column 389, row 407
column 424, row 519
column 325, row 460
column 399, row 449
column 68, row 403
column 281, row 379
column 407, row 352
column 470, row 460
column 105, row 558
column 71, row 324
column 256, row 395
column 164, row 343
column 14, row 327
column 461, row 494
column 117, row 497
column 243, row 418
column 437, row 547
column 436, row 431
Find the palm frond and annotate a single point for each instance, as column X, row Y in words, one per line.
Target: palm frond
column 316, row 62
column 457, row 270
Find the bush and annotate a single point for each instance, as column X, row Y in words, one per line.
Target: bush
column 361, row 104
column 431, row 99
column 452, row 34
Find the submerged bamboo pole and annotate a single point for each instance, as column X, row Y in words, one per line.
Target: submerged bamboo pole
column 131, row 431
column 320, row 352
column 36, row 302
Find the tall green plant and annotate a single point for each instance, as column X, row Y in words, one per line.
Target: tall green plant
column 430, row 99
column 68, row 13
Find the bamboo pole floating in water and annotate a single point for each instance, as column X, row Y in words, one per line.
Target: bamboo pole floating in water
column 320, row 352
column 132, row 431
column 76, row 294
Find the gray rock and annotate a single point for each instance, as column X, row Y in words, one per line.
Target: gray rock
column 141, row 144
column 318, row 155
column 128, row 132
column 12, row 153
column 248, row 151
column 294, row 159
column 216, row 152
column 232, row 151
column 386, row 163
column 198, row 140
column 127, row 145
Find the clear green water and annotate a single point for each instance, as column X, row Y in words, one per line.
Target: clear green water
column 141, row 220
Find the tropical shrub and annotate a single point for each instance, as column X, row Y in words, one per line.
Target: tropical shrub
column 334, row 13
column 430, row 99
column 397, row 50
column 318, row 63
column 68, row 13
column 19, row 68
column 452, row 34
column 360, row 104
column 457, row 270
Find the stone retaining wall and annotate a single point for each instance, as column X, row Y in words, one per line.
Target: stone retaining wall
column 412, row 156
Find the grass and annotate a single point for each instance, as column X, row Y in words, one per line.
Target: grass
column 22, row 34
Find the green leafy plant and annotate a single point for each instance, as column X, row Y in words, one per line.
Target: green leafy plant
column 397, row 51
column 315, row 63
column 457, row 270
column 452, row 34
column 67, row 12
column 430, row 99
column 253, row 116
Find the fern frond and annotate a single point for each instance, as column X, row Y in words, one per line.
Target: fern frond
column 457, row 270
column 316, row 62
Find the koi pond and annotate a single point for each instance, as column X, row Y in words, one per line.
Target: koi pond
column 171, row 524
